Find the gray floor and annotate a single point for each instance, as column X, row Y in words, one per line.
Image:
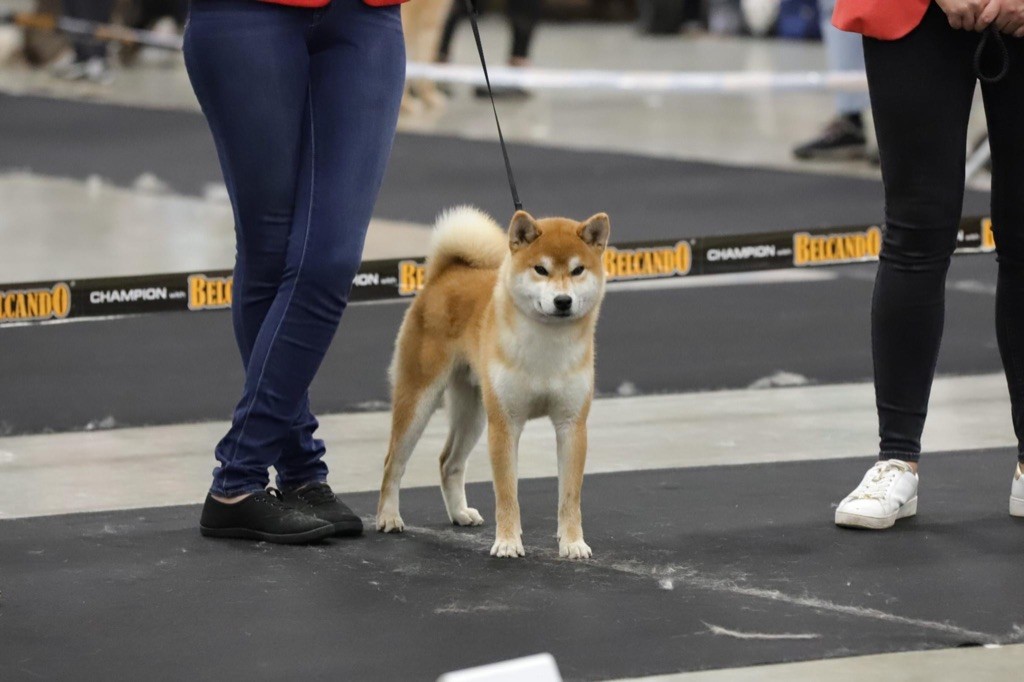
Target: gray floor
column 131, row 468
column 982, row 663
column 121, row 231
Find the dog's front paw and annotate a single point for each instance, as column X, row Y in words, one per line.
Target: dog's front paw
column 574, row 550
column 390, row 522
column 467, row 516
column 508, row 547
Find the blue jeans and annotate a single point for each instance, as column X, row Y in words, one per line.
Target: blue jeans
column 844, row 52
column 302, row 104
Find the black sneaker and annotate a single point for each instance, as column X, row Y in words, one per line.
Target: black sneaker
column 318, row 499
column 842, row 139
column 262, row 516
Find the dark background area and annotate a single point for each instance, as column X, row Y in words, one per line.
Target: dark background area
column 646, row 198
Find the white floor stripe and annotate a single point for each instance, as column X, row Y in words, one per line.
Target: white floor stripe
column 164, row 465
column 719, row 630
column 682, row 574
column 726, row 280
column 989, row 663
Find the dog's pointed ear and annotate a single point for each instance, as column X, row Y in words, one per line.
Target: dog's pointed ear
column 595, row 230
column 522, row 231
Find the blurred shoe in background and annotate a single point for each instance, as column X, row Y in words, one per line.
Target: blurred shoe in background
column 760, row 16
column 507, row 91
column 94, row 70
column 502, row 92
column 842, row 139
column 724, row 17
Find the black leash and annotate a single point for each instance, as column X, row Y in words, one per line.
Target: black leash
column 471, row 11
column 991, row 33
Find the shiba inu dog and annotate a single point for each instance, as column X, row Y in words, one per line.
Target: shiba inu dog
column 505, row 325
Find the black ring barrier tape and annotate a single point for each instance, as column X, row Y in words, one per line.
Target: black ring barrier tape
column 387, row 280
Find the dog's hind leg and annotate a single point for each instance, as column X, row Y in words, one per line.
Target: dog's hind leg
column 467, row 418
column 410, row 413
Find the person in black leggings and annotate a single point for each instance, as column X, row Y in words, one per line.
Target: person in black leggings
column 523, row 16
column 922, row 87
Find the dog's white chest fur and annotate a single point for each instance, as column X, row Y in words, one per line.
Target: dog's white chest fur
column 544, row 373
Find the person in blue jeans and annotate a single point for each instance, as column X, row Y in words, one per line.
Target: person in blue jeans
column 302, row 103
column 843, row 137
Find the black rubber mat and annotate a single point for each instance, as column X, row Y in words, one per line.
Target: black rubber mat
column 647, row 198
column 694, row 569
column 162, row 369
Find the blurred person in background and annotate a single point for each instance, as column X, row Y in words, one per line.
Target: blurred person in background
column 148, row 12
column 523, row 17
column 88, row 60
column 922, row 74
column 843, row 137
column 165, row 17
column 423, row 22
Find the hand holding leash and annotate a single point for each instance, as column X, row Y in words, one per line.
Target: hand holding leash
column 967, row 14
column 1010, row 18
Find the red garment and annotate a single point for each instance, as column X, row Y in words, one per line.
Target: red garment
column 323, row 3
column 882, row 19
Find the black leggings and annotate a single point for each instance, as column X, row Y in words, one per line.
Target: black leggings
column 523, row 16
column 922, row 88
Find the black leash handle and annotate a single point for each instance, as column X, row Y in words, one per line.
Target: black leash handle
column 991, row 33
column 471, row 11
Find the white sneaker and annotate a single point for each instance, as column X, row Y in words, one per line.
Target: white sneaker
column 1017, row 493
column 95, row 70
column 887, row 492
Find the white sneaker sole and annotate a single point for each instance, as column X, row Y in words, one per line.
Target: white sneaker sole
column 1016, row 506
column 848, row 520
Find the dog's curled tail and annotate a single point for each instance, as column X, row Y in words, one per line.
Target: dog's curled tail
column 467, row 236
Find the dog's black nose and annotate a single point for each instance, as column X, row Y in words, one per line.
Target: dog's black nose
column 563, row 303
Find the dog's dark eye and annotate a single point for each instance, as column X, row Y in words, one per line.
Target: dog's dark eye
column 540, row 270
column 578, row 270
